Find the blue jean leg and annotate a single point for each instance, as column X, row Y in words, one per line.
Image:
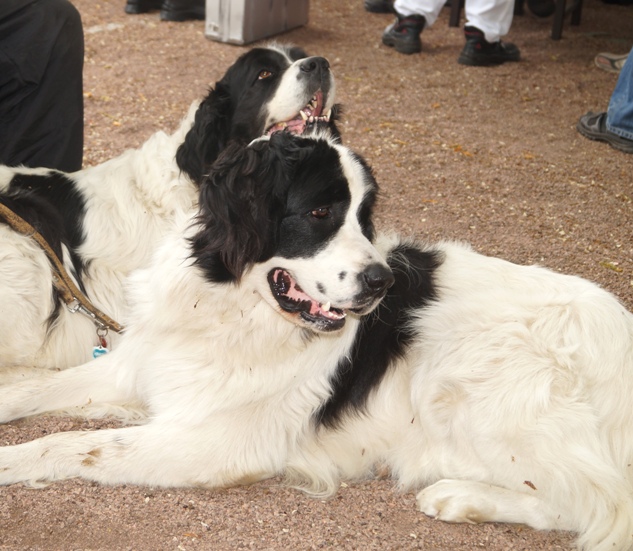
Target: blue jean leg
column 620, row 111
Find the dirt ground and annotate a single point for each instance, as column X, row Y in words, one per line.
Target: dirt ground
column 486, row 155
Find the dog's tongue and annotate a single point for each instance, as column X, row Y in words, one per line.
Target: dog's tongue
column 288, row 290
column 296, row 125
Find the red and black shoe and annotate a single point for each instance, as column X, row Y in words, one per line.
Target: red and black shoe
column 404, row 34
column 479, row 52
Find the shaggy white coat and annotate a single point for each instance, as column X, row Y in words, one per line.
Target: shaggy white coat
column 131, row 202
column 513, row 404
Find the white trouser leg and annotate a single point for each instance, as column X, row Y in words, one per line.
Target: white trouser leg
column 430, row 9
column 493, row 17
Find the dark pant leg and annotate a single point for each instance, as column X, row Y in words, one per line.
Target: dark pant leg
column 41, row 86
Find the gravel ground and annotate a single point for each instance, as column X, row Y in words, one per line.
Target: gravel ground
column 487, row 155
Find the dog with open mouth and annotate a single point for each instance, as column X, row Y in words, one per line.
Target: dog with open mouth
column 106, row 221
column 275, row 334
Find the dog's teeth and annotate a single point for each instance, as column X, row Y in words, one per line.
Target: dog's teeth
column 311, row 119
column 328, row 115
column 303, row 115
column 326, row 307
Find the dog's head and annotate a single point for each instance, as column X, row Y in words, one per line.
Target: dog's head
column 265, row 91
column 293, row 216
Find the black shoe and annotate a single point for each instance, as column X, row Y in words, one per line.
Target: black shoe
column 379, row 6
column 481, row 53
column 594, row 127
column 404, row 34
column 182, row 10
column 142, row 6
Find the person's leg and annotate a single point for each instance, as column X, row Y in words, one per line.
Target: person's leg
column 486, row 22
column 620, row 111
column 41, row 86
column 429, row 9
column 412, row 16
column 492, row 17
column 615, row 126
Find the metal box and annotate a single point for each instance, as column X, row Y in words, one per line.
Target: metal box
column 244, row 21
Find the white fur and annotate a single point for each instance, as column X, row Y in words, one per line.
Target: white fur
column 512, row 405
column 130, row 204
column 291, row 94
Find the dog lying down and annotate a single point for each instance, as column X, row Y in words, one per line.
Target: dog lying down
column 275, row 334
column 106, row 221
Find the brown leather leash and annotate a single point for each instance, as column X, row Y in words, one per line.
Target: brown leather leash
column 75, row 300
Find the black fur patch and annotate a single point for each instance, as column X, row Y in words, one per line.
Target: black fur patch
column 287, row 196
column 318, row 182
column 52, row 204
column 384, row 335
column 232, row 112
column 366, row 211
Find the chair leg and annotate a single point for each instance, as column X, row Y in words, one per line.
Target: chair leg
column 456, row 9
column 576, row 12
column 518, row 7
column 559, row 18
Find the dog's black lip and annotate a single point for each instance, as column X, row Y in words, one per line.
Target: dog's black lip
column 323, row 324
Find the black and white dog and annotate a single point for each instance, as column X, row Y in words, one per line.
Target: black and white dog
column 275, row 335
column 106, row 221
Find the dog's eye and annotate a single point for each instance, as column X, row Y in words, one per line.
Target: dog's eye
column 319, row 213
column 264, row 74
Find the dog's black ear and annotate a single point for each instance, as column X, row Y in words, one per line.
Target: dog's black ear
column 208, row 135
column 335, row 117
column 295, row 53
column 240, row 205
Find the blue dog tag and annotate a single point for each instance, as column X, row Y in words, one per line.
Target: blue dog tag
column 99, row 351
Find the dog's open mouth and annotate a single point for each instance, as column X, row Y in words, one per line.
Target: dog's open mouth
column 292, row 299
column 310, row 115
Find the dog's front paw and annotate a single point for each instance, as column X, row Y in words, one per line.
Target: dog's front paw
column 456, row 501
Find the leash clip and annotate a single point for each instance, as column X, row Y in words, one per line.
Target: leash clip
column 102, row 329
column 73, row 307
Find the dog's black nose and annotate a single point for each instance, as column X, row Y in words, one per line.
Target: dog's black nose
column 314, row 64
column 378, row 278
